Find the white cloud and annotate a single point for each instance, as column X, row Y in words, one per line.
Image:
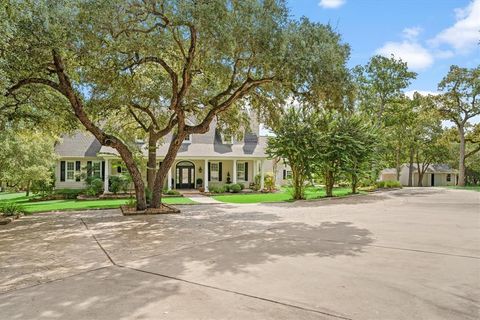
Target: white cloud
column 464, row 35
column 416, row 56
column 421, row 92
column 331, row 4
column 412, row 33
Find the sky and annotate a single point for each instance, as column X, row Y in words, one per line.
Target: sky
column 430, row 35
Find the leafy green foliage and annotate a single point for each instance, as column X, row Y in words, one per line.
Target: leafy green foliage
column 295, row 138
column 94, row 186
column 119, row 183
column 26, row 157
column 69, row 193
column 11, row 209
column 235, row 188
column 216, row 187
column 388, row 184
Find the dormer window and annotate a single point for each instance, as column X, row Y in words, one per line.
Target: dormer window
column 227, row 138
column 188, row 139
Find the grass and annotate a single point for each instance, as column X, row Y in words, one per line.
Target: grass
column 473, row 188
column 283, row 195
column 69, row 205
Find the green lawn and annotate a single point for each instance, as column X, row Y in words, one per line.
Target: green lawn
column 283, row 195
column 69, row 205
column 473, row 188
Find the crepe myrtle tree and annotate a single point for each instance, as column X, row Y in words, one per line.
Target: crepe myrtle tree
column 171, row 66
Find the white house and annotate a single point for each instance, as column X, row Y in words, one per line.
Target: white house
column 202, row 159
column 436, row 175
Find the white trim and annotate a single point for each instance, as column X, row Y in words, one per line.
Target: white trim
column 189, row 140
column 217, row 171
column 73, row 171
column 226, row 140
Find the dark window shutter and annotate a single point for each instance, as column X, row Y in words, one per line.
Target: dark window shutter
column 159, row 164
column 77, row 170
column 209, row 171
column 89, row 168
column 62, row 170
column 246, row 171
column 119, row 169
column 103, row 170
column 219, row 171
column 284, row 174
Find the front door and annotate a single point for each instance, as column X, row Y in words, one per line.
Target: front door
column 185, row 175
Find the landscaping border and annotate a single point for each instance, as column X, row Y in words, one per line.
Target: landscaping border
column 164, row 209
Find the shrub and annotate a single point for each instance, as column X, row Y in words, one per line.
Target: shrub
column 242, row 185
column 228, row 187
column 389, row 184
column 119, row 183
column 132, row 203
column 216, row 187
column 269, row 182
column 235, row 188
column 69, row 193
column 172, row 192
column 94, row 186
column 11, row 209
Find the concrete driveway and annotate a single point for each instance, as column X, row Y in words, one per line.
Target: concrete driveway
column 407, row 254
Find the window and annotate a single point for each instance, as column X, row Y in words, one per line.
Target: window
column 96, row 169
column 70, row 171
column 214, row 171
column 241, row 171
column 227, row 139
column 188, row 139
column 289, row 174
column 449, row 177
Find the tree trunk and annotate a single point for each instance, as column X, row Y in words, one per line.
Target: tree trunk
column 410, row 168
column 28, row 188
column 65, row 87
column 420, row 178
column 397, row 162
column 329, row 182
column 354, row 183
column 163, row 170
column 461, row 160
column 152, row 159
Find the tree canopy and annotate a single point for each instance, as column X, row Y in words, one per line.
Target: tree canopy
column 167, row 66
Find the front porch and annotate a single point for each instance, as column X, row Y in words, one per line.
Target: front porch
column 192, row 174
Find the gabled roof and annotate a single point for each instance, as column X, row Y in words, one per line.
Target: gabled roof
column 84, row 144
column 433, row 168
column 80, row 144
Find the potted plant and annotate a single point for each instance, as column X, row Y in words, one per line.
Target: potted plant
column 228, row 178
column 199, row 182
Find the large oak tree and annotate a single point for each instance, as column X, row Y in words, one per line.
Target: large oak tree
column 170, row 66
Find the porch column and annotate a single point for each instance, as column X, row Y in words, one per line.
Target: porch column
column 234, row 171
column 205, row 175
column 107, row 176
column 262, row 176
column 169, row 177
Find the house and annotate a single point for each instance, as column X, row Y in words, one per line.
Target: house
column 202, row 159
column 436, row 175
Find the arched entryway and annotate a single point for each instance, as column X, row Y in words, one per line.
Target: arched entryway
column 185, row 175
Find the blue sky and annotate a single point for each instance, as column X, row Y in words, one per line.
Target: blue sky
column 430, row 35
